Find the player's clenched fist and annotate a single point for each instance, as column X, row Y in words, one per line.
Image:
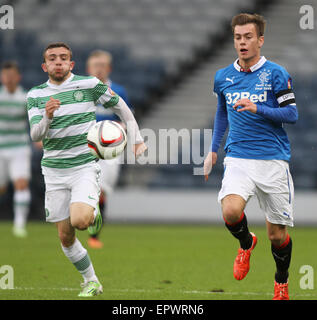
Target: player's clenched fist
column 209, row 162
column 51, row 106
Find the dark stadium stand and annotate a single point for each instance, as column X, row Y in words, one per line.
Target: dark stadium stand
column 303, row 135
column 152, row 41
column 140, row 78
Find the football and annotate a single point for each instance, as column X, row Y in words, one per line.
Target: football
column 106, row 139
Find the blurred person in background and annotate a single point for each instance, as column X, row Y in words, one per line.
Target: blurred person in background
column 99, row 65
column 15, row 146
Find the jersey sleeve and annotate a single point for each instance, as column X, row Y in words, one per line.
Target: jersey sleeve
column 104, row 95
column 122, row 92
column 283, row 88
column 221, row 117
column 217, row 90
column 39, row 122
column 34, row 114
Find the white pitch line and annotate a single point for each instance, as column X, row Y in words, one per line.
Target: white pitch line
column 245, row 293
column 53, row 289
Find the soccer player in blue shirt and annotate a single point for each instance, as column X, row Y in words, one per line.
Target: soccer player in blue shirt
column 99, row 64
column 255, row 98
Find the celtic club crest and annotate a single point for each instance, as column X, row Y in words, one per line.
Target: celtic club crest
column 78, row 96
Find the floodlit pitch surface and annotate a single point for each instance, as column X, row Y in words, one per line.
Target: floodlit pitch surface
column 146, row 262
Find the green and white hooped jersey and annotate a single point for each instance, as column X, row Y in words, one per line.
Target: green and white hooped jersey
column 13, row 119
column 65, row 145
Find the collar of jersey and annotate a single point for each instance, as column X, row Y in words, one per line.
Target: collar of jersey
column 52, row 85
column 255, row 67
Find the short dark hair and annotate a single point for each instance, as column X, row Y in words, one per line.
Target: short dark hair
column 58, row 45
column 10, row 65
column 245, row 18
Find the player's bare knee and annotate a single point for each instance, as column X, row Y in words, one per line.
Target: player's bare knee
column 3, row 189
column 21, row 184
column 80, row 222
column 83, row 225
column 81, row 216
column 277, row 234
column 277, row 239
column 232, row 207
column 231, row 212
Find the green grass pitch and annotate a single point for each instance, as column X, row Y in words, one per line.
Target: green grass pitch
column 152, row 262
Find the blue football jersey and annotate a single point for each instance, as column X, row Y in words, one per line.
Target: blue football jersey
column 252, row 136
column 108, row 114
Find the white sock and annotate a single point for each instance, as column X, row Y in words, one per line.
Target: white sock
column 79, row 257
column 21, row 206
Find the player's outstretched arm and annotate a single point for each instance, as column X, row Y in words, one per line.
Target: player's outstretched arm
column 209, row 162
column 220, row 127
column 109, row 99
column 287, row 114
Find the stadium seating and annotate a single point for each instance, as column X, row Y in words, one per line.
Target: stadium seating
column 158, row 37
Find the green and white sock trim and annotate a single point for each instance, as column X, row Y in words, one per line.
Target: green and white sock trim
column 78, row 255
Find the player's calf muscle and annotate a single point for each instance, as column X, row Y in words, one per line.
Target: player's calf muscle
column 67, row 239
column 66, row 233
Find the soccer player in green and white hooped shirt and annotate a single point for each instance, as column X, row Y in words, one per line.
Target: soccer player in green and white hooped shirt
column 15, row 150
column 61, row 111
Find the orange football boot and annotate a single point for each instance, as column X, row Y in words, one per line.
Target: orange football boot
column 280, row 291
column 94, row 243
column 241, row 264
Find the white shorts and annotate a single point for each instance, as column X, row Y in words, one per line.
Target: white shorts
column 110, row 170
column 80, row 186
column 269, row 180
column 15, row 163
